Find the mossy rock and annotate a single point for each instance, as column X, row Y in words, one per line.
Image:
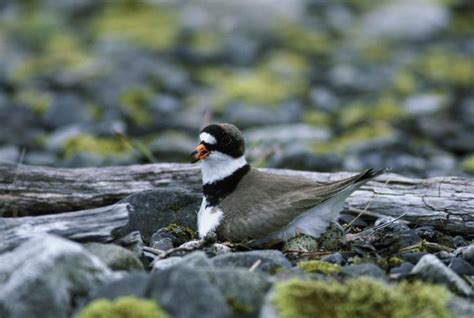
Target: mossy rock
column 360, row 297
column 134, row 102
column 315, row 266
column 102, row 146
column 123, row 307
column 468, row 164
column 182, row 233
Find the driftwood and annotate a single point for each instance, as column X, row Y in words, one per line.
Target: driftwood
column 88, row 225
column 445, row 202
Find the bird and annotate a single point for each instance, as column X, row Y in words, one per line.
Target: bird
column 242, row 203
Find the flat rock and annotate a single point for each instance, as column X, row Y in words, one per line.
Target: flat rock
column 44, row 276
column 431, row 269
column 271, row 260
column 365, row 269
column 158, row 208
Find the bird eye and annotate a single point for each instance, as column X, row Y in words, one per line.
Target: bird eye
column 226, row 140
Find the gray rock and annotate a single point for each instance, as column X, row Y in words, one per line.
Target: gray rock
column 406, row 20
column 461, row 267
column 365, row 269
column 431, row 269
column 9, row 154
column 66, row 109
column 271, row 260
column 133, row 242
column 466, row 253
column 422, row 105
column 44, row 276
column 286, row 134
column 335, row 258
column 461, row 308
column 244, row 115
column 114, row 256
column 412, row 257
column 161, row 243
column 166, row 263
column 401, row 271
column 158, row 208
column 40, row 158
column 243, row 290
column 132, row 284
column 459, row 241
column 184, row 291
column 197, row 259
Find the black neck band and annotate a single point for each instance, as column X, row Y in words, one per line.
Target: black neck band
column 215, row 192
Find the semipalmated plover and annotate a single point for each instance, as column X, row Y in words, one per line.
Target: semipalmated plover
column 243, row 203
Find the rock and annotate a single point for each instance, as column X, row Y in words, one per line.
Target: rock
column 46, row 275
column 116, row 257
column 161, row 243
column 174, row 234
column 461, row 267
column 166, row 263
column 244, row 115
column 404, row 234
column 271, row 260
column 351, row 219
column 413, row 257
column 431, row 269
column 301, row 243
column 466, row 253
column 40, row 158
column 133, row 242
column 425, row 232
column 365, row 269
column 461, row 308
column 323, row 98
column 335, row 258
column 243, row 290
column 159, row 208
column 132, row 284
column 459, row 241
column 172, row 146
column 9, row 154
column 405, row 20
column 305, row 159
column 286, row 134
column 66, row 109
column 422, row 105
column 184, row 291
column 401, row 271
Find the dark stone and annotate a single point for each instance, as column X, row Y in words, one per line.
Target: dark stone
column 461, row 267
column 412, row 257
column 159, row 208
column 425, row 232
column 336, row 258
column 365, row 269
column 184, row 292
column 459, row 241
column 66, row 109
column 132, row 284
column 271, row 260
column 348, row 218
column 401, row 271
column 431, row 269
column 466, row 253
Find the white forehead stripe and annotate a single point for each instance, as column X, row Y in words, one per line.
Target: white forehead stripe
column 208, row 138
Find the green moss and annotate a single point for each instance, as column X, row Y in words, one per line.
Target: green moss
column 404, row 83
column 385, row 109
column 101, row 146
column 361, row 297
column 134, row 102
column 206, row 42
column 183, row 232
column 384, row 263
column 124, row 307
column 153, row 27
column 315, row 266
column 304, row 40
column 238, row 308
column 448, row 68
column 35, row 100
column 468, row 164
column 317, row 118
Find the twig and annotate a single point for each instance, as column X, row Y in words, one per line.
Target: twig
column 429, row 246
column 255, row 265
column 186, row 247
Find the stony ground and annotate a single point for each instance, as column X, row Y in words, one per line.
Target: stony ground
column 323, row 86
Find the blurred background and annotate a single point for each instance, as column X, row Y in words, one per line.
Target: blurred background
column 314, row 85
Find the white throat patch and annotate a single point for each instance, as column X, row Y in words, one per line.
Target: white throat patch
column 208, row 138
column 219, row 166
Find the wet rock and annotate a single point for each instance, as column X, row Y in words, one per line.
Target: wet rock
column 364, row 269
column 271, row 260
column 184, row 291
column 461, row 267
column 45, row 276
column 114, row 256
column 431, row 269
column 159, row 208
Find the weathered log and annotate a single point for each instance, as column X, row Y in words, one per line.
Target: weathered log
column 444, row 202
column 88, row 225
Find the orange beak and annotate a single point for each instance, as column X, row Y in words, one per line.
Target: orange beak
column 199, row 153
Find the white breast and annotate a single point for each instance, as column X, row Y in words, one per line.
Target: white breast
column 209, row 218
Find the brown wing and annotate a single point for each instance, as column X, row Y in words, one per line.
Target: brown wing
column 264, row 203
